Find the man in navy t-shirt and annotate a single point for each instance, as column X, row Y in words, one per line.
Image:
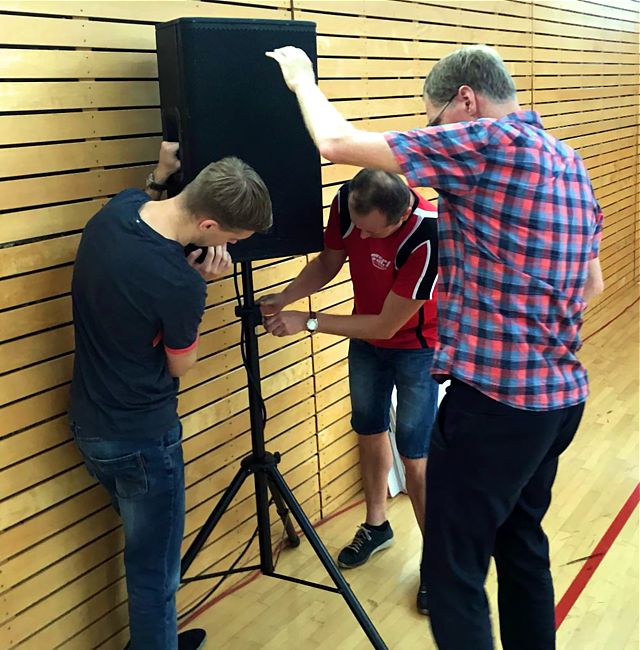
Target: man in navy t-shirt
column 137, row 306
column 388, row 233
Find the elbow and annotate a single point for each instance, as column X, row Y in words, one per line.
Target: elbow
column 181, row 367
column 330, row 149
column 336, row 147
column 386, row 333
column 593, row 288
column 599, row 288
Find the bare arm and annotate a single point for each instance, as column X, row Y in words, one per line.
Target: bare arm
column 337, row 140
column 315, row 275
column 179, row 363
column 216, row 263
column 594, row 284
column 168, row 164
column 396, row 311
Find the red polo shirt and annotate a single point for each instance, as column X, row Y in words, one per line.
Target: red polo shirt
column 406, row 263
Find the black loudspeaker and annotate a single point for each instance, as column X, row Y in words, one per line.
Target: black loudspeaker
column 221, row 96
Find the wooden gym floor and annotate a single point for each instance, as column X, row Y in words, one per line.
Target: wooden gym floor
column 592, row 525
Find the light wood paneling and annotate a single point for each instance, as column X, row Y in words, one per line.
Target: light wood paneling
column 79, row 121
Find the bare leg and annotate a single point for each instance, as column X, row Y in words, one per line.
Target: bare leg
column 375, row 461
column 416, row 475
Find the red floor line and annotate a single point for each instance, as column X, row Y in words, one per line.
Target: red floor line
column 564, row 605
column 597, row 555
column 575, row 589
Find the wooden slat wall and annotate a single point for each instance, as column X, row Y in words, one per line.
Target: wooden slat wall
column 585, row 85
column 79, row 120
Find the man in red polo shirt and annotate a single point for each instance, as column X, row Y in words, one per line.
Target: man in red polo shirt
column 389, row 235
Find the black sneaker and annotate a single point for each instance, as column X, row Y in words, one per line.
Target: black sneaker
column 192, row 639
column 365, row 543
column 189, row 640
column 422, row 602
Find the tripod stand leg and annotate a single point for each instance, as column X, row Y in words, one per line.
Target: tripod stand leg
column 283, row 513
column 213, row 519
column 326, row 559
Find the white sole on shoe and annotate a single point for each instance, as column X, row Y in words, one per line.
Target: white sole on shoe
column 382, row 546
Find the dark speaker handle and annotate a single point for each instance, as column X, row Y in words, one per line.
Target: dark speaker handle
column 171, row 124
column 172, row 132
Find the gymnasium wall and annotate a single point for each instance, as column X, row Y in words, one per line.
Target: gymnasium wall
column 79, row 121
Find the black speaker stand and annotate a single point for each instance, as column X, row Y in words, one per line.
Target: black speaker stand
column 267, row 477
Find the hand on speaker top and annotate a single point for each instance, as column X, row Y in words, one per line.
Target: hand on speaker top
column 295, row 65
column 216, row 263
column 272, row 304
column 168, row 162
column 286, row 323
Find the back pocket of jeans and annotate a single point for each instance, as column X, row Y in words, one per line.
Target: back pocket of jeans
column 128, row 474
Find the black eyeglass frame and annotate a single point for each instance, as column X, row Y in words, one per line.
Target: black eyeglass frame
column 436, row 120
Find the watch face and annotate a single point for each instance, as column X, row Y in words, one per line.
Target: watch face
column 312, row 324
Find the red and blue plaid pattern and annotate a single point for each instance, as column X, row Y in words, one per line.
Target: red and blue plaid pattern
column 518, row 223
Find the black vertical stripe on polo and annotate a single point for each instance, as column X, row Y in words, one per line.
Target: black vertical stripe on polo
column 425, row 232
column 343, row 209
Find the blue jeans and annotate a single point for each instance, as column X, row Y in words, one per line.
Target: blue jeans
column 145, row 479
column 373, row 372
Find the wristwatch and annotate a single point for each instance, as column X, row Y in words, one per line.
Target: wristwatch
column 312, row 322
column 152, row 185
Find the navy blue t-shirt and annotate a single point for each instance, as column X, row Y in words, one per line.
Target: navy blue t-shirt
column 133, row 295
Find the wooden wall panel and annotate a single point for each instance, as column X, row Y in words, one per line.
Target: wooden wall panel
column 79, row 120
column 592, row 103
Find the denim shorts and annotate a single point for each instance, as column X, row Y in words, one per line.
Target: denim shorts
column 373, row 372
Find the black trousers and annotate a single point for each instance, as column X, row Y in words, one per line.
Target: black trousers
column 489, row 477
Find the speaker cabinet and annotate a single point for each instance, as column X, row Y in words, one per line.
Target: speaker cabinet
column 221, row 96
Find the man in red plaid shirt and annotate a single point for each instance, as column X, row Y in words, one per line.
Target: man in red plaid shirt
column 519, row 231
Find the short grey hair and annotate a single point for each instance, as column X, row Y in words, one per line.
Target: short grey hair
column 477, row 66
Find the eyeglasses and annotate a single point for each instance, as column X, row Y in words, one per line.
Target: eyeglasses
column 438, row 118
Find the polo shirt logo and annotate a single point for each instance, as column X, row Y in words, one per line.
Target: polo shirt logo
column 379, row 262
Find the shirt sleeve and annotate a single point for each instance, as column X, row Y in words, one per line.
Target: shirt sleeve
column 450, row 157
column 180, row 315
column 332, row 234
column 417, row 277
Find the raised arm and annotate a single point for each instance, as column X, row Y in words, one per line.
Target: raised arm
column 336, row 139
column 168, row 164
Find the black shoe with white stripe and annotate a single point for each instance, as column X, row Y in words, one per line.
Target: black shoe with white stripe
column 366, row 542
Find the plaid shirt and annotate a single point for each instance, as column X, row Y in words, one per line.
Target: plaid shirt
column 518, row 223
